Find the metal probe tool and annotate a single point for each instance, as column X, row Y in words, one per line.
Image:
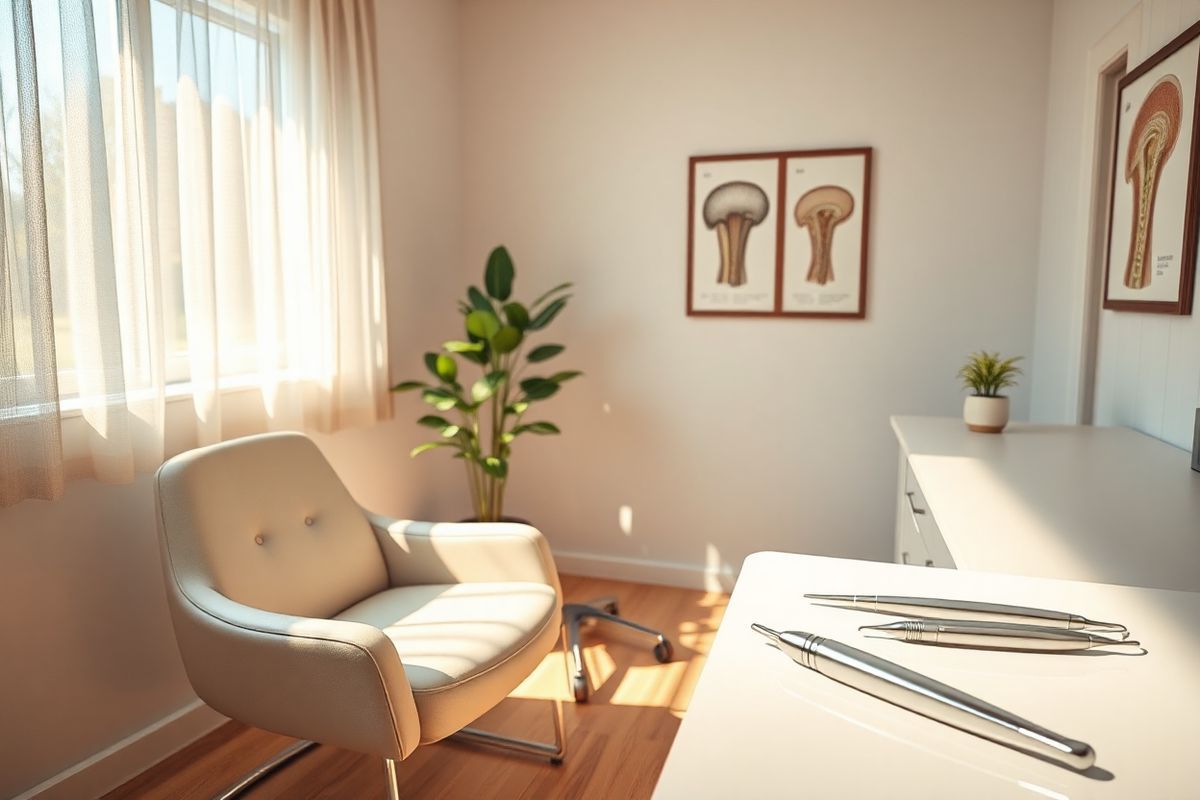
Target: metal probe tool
column 994, row 635
column 923, row 695
column 937, row 608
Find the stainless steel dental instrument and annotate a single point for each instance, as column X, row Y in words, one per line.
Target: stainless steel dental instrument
column 937, row 608
column 994, row 635
column 923, row 695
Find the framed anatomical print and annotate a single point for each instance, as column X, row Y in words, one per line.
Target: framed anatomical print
column 733, row 250
column 779, row 234
column 1152, row 221
column 825, row 237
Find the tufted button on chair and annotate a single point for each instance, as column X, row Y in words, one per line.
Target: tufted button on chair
column 297, row 611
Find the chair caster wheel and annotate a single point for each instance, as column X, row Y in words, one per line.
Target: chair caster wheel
column 613, row 608
column 664, row 651
column 579, row 685
column 556, row 761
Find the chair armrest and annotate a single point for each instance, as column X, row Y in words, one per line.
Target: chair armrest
column 463, row 552
column 332, row 681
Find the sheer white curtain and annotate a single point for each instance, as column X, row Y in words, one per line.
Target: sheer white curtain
column 210, row 230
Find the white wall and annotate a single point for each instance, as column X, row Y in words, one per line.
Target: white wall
column 1078, row 25
column 88, row 654
column 729, row 436
column 1148, row 365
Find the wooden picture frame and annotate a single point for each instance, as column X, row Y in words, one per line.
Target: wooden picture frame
column 1150, row 257
column 779, row 234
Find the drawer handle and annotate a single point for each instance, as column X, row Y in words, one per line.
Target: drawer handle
column 914, row 511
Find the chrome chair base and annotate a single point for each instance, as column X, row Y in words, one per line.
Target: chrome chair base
column 555, row 752
column 603, row 609
column 389, row 775
column 264, row 769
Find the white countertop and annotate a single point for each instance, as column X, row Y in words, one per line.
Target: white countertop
column 761, row 726
column 1061, row 501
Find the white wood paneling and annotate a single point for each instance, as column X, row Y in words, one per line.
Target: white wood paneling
column 1148, row 374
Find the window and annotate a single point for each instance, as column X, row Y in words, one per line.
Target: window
column 229, row 65
column 210, row 221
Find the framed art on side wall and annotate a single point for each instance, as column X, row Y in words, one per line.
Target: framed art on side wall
column 779, row 234
column 1153, row 205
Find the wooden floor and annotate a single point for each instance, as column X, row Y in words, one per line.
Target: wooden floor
column 616, row 743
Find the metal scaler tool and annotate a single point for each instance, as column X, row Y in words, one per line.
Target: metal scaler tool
column 939, row 608
column 994, row 635
column 923, row 695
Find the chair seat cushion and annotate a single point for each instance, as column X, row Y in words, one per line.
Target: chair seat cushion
column 464, row 646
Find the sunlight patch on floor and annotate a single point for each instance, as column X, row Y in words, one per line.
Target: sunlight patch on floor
column 667, row 686
column 653, row 687
column 547, row 682
column 600, row 665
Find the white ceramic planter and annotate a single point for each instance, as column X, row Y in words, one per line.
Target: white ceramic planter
column 985, row 414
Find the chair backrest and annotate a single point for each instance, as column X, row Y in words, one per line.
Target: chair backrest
column 265, row 521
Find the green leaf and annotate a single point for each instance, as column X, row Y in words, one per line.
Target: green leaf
column 565, row 375
column 450, row 431
column 478, row 301
column 538, row 388
column 516, row 315
column 447, row 368
column 408, row 386
column 433, row 421
column 481, row 390
column 516, row 408
column 506, row 438
column 547, row 314
column 442, row 366
column 545, row 351
column 486, row 386
column 440, row 399
column 478, row 357
column 496, row 467
column 463, row 308
column 463, row 347
column 507, row 339
column 498, row 277
column 423, row 448
column 482, row 324
column 553, row 291
column 540, row 428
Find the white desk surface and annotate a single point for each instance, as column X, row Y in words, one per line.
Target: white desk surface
column 761, row 726
column 1060, row 501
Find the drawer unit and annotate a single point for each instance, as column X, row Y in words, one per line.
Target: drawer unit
column 910, row 547
column 918, row 540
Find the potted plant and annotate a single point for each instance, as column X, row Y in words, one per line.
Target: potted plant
column 479, row 422
column 986, row 374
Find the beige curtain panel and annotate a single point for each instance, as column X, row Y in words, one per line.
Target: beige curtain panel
column 190, row 209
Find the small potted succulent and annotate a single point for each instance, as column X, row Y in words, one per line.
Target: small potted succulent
column 479, row 419
column 986, row 375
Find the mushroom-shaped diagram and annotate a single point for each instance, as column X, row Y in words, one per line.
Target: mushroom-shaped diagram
column 821, row 210
column 733, row 209
column 1151, row 141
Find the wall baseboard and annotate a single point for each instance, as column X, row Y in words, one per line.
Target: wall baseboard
column 114, row 765
column 638, row 570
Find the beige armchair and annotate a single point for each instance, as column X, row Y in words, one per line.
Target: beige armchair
column 297, row 611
